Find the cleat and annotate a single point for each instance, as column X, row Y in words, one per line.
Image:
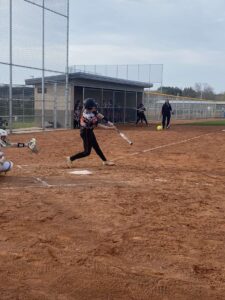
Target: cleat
column 108, row 163
column 68, row 162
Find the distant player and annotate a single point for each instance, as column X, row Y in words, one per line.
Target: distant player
column 141, row 114
column 166, row 114
column 3, row 123
column 76, row 115
column 89, row 120
column 6, row 165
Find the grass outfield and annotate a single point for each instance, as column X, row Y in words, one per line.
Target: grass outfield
column 207, row 123
column 17, row 125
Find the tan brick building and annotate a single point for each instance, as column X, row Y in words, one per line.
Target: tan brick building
column 117, row 98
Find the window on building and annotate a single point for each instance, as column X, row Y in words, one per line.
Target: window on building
column 39, row 90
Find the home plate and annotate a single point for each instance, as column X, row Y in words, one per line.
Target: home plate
column 81, row 172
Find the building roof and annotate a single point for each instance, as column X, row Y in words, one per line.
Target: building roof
column 89, row 77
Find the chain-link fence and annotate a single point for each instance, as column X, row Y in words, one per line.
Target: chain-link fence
column 149, row 73
column 34, row 75
column 55, row 104
column 34, row 44
column 183, row 108
column 23, row 104
column 119, row 106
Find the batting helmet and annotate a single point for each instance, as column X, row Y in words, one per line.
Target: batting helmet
column 90, row 103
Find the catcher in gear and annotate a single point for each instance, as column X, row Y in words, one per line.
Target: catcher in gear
column 6, row 165
column 90, row 118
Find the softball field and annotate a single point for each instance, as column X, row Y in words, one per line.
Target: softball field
column 152, row 227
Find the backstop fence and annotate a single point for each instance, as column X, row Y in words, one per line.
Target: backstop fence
column 34, row 43
column 149, row 73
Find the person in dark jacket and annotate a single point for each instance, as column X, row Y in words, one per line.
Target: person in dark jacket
column 166, row 114
column 141, row 114
column 3, row 123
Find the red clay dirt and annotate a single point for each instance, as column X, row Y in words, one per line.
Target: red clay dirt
column 151, row 227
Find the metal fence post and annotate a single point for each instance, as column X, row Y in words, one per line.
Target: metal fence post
column 125, row 103
column 43, row 68
column 55, row 106
column 67, row 69
column 113, row 106
column 10, row 66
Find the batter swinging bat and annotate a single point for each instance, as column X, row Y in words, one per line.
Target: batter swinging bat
column 123, row 136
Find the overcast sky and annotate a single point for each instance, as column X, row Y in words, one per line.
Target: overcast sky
column 186, row 36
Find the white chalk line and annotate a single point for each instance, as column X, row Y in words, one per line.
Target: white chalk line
column 43, row 186
column 195, row 183
column 48, row 186
column 164, row 146
column 21, row 166
column 176, row 143
column 44, row 183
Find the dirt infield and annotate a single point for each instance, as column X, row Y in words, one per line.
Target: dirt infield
column 151, row 227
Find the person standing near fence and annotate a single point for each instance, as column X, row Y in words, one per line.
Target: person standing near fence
column 76, row 114
column 141, row 114
column 166, row 114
